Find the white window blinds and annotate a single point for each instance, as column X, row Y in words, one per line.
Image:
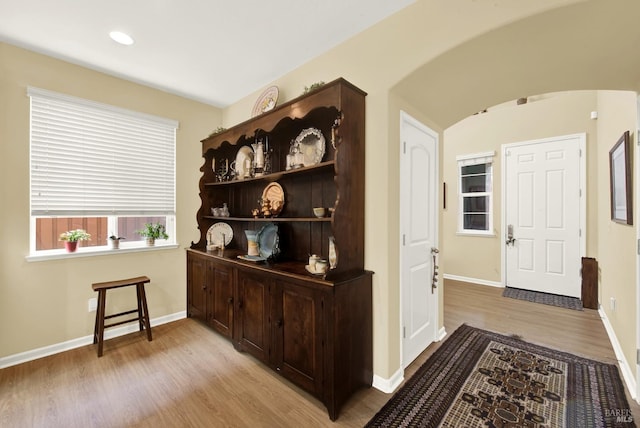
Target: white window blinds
column 91, row 159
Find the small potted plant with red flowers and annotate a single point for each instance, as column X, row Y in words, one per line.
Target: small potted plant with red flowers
column 71, row 238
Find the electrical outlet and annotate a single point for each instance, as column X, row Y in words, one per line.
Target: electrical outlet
column 93, row 304
column 613, row 304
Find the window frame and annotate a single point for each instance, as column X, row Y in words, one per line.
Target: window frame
column 169, row 138
column 485, row 158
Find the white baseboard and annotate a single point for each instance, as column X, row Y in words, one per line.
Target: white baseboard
column 441, row 334
column 625, row 368
column 45, row 351
column 388, row 385
column 473, row 280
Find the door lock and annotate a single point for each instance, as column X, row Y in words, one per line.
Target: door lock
column 510, row 239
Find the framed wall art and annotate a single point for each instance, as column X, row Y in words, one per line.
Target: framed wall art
column 621, row 180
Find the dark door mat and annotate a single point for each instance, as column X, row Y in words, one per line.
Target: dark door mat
column 544, row 298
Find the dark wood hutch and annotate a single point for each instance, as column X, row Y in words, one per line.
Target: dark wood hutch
column 315, row 330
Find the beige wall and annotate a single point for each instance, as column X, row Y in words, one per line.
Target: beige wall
column 441, row 60
column 45, row 303
column 617, row 242
column 376, row 60
column 542, row 117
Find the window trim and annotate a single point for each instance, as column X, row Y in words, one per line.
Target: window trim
column 467, row 160
column 99, row 250
column 57, row 254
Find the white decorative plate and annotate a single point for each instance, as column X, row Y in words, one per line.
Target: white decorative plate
column 267, row 101
column 244, row 153
column 216, row 232
column 313, row 272
column 311, row 144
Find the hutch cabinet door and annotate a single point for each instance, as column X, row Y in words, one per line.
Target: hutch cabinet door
column 221, row 313
column 298, row 333
column 252, row 319
column 197, row 289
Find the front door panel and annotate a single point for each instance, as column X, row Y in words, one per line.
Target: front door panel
column 543, row 212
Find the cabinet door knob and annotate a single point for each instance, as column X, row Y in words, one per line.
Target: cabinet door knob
column 204, row 287
column 279, row 323
column 230, row 300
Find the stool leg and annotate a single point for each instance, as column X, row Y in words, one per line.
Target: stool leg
column 145, row 310
column 102, row 300
column 141, row 314
column 95, row 327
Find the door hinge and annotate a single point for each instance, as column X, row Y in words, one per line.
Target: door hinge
column 580, row 152
column 404, row 147
column 637, row 356
column 580, row 192
column 403, row 239
column 638, row 247
column 404, row 332
column 580, row 232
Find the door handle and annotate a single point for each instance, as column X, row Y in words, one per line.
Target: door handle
column 434, row 277
column 510, row 239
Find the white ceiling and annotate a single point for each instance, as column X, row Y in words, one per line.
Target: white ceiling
column 213, row 51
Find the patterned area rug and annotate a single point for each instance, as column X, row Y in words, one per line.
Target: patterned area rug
column 481, row 379
column 544, row 298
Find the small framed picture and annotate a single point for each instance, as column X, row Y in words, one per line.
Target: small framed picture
column 621, row 180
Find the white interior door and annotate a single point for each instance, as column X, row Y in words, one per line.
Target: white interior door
column 544, row 214
column 418, row 228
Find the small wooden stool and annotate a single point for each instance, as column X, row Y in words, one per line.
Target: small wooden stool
column 143, row 312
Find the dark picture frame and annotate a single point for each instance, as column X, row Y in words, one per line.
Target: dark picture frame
column 620, row 170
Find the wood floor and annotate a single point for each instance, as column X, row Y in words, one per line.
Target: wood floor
column 190, row 376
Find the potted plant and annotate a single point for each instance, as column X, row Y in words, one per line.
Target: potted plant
column 153, row 231
column 114, row 241
column 71, row 238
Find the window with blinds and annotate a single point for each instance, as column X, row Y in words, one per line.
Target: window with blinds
column 475, row 212
column 94, row 161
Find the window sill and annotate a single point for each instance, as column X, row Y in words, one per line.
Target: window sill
column 95, row 251
column 477, row 234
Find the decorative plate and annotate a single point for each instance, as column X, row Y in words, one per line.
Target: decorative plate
column 313, row 272
column 217, row 231
column 311, row 144
column 268, row 241
column 242, row 170
column 274, row 193
column 267, row 101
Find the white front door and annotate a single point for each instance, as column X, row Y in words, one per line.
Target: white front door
column 544, row 226
column 418, row 228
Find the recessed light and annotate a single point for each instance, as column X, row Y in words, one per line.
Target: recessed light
column 122, row 38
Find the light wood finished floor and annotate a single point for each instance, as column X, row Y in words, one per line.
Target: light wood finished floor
column 190, row 376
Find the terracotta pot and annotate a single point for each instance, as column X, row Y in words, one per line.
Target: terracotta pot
column 151, row 242
column 71, row 246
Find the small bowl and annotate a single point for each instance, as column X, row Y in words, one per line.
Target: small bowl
column 319, row 212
